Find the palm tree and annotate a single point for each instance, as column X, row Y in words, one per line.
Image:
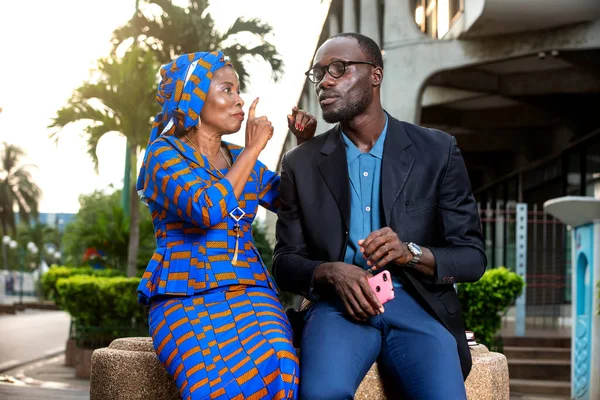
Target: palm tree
column 177, row 30
column 120, row 97
column 17, row 190
column 42, row 236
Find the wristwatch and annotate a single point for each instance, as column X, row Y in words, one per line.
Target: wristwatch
column 416, row 251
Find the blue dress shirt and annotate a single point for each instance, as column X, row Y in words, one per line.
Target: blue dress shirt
column 364, row 170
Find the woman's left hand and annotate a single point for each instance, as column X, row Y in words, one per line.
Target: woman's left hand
column 302, row 124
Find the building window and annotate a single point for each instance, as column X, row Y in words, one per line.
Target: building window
column 573, row 176
column 592, row 169
column 435, row 17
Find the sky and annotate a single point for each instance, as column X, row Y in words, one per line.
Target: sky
column 48, row 48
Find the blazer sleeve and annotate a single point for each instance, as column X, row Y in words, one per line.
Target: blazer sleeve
column 292, row 268
column 268, row 195
column 170, row 183
column 462, row 258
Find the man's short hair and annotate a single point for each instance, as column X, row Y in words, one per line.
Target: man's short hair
column 367, row 45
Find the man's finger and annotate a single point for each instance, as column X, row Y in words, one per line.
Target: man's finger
column 381, row 252
column 387, row 237
column 365, row 303
column 371, row 298
column 352, row 307
column 252, row 110
column 359, row 312
column 373, row 235
column 370, row 248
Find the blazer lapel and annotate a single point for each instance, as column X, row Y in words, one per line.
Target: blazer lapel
column 396, row 165
column 334, row 170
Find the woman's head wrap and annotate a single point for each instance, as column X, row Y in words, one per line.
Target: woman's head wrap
column 181, row 94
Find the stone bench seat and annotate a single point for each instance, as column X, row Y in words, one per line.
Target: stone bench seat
column 129, row 370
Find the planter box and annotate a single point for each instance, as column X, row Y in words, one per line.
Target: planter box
column 83, row 362
column 70, row 350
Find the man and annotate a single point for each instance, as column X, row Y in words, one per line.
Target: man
column 376, row 193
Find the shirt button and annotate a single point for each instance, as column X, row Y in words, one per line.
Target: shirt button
column 368, row 209
column 365, row 173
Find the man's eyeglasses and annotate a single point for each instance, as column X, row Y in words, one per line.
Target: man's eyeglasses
column 335, row 69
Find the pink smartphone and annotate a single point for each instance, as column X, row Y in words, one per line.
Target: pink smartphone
column 382, row 286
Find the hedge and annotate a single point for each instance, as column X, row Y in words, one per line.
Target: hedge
column 483, row 302
column 55, row 273
column 102, row 308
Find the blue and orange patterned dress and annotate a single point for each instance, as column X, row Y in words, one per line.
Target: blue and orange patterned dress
column 215, row 319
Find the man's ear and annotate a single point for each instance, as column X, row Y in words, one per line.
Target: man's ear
column 377, row 76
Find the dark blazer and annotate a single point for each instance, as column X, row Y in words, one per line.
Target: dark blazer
column 426, row 198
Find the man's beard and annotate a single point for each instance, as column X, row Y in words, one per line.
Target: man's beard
column 348, row 111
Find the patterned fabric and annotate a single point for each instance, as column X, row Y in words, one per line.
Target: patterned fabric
column 191, row 205
column 181, row 93
column 233, row 344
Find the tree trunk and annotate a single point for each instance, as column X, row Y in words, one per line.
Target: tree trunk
column 134, row 219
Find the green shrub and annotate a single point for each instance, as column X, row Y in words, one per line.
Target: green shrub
column 50, row 278
column 484, row 301
column 102, row 308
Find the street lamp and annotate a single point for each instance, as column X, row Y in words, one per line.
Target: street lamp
column 33, row 250
column 5, row 242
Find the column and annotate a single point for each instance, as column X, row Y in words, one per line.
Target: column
column 349, row 23
column 369, row 21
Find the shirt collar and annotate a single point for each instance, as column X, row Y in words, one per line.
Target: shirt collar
column 352, row 152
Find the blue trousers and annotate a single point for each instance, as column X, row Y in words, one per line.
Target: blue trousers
column 414, row 349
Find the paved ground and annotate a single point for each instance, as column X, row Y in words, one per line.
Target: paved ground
column 31, row 334
column 13, row 392
column 46, row 379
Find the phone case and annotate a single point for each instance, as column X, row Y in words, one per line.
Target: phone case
column 382, row 286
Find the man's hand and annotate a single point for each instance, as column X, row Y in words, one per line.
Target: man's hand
column 351, row 285
column 302, row 124
column 382, row 247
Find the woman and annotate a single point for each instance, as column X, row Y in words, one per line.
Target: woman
column 215, row 319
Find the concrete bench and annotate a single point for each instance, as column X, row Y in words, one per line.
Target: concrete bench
column 129, row 370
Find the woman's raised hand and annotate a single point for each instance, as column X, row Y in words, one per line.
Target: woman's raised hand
column 302, row 124
column 258, row 129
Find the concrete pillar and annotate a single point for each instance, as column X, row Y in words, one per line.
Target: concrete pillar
column 334, row 24
column 369, row 19
column 399, row 23
column 401, row 94
column 349, row 24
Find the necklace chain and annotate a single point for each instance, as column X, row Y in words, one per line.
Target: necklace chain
column 211, row 164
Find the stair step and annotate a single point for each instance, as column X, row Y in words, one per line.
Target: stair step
column 533, row 341
column 528, row 386
column 537, row 353
column 556, row 370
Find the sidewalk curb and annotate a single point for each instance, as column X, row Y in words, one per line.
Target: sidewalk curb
column 52, row 353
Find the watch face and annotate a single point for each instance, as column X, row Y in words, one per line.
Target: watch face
column 415, row 249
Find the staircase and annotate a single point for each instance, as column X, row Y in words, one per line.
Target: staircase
column 539, row 366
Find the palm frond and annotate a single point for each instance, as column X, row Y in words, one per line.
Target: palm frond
column 254, row 26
